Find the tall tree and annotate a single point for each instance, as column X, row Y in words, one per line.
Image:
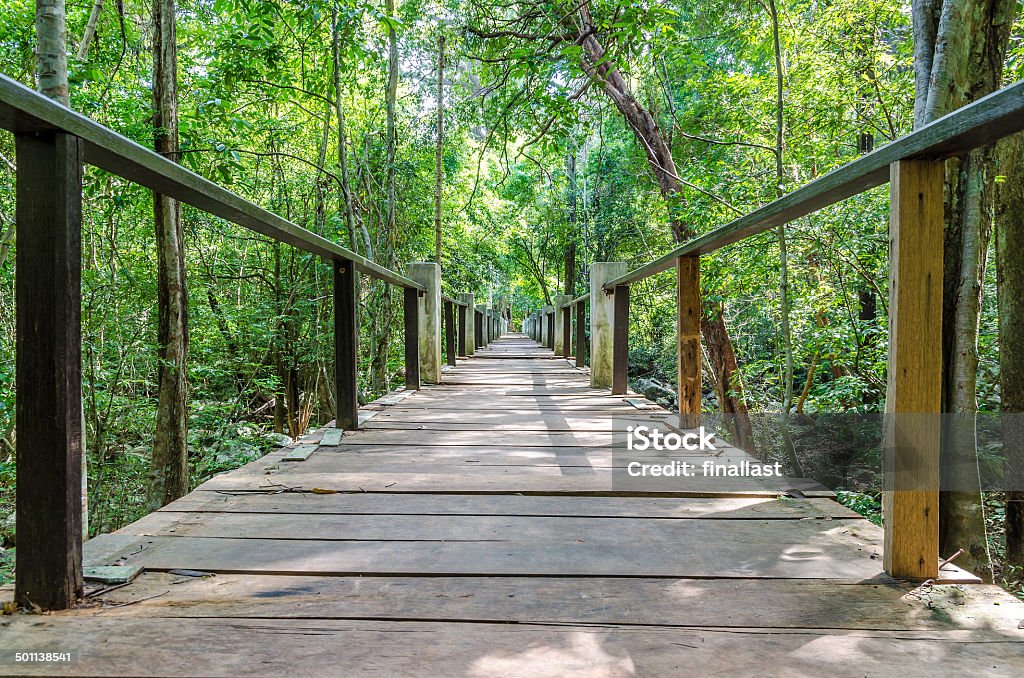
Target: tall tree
column 1009, row 233
column 169, row 468
column 439, row 152
column 959, row 50
column 51, row 49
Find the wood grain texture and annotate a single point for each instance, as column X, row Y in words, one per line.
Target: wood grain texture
column 688, row 358
column 913, row 393
column 505, row 552
column 49, row 369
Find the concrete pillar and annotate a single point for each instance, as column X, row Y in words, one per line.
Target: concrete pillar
column 560, row 337
column 602, row 314
column 429, row 275
column 470, row 325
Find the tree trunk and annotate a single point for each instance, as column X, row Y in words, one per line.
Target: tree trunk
column 51, row 49
column 439, row 155
column 90, row 29
column 169, row 471
column 1009, row 228
column 347, row 204
column 960, row 46
column 570, row 245
column 602, row 71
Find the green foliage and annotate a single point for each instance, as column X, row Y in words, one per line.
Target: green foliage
column 868, row 505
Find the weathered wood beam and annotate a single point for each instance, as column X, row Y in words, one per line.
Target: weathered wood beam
column 910, row 498
column 48, row 299
column 411, row 313
column 581, row 335
column 620, row 341
column 689, row 353
column 346, row 340
column 449, row 333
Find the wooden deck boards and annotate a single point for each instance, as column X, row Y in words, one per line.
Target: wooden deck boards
column 473, row 529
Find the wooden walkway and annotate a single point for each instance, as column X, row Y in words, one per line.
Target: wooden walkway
column 473, row 529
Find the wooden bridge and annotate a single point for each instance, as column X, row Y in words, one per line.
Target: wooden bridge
column 474, row 528
column 477, row 522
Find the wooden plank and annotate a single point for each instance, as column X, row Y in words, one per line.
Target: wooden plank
column 276, row 647
column 48, row 370
column 559, row 531
column 782, row 604
column 913, row 393
column 331, row 438
column 299, row 453
column 688, row 359
column 512, row 505
column 346, row 340
column 111, row 574
column 776, row 550
column 528, row 480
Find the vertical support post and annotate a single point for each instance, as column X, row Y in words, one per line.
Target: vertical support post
column 478, row 327
column 688, row 357
column 561, row 335
column 581, row 334
column 620, row 350
column 602, row 317
column 411, row 311
column 428, row 274
column 48, row 378
column 470, row 323
column 449, row 332
column 482, row 310
column 567, row 330
column 910, row 498
column 548, row 335
column 346, row 337
column 460, row 332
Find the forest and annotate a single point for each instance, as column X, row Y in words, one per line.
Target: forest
column 516, row 143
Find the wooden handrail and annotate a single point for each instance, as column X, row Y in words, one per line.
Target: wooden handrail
column 978, row 124
column 24, row 110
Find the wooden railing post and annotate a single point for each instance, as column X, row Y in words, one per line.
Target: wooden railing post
column 411, row 311
column 449, row 332
column 602, row 318
column 567, row 329
column 469, row 347
column 548, row 337
column 620, row 350
column 561, row 342
column 581, row 334
column 428, row 274
column 688, row 359
column 481, row 320
column 462, row 314
column 48, row 297
column 346, row 338
column 910, row 498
